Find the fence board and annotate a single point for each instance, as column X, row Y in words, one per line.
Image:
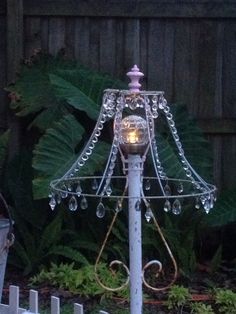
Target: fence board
column 55, row 305
column 82, row 40
column 56, row 35
column 119, row 8
column 32, row 36
column 3, row 121
column 33, row 301
column 229, row 69
column 78, row 309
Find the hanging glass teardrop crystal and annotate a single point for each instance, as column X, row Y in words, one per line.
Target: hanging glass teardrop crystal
column 73, row 204
column 137, row 205
column 147, row 185
column 100, row 211
column 69, row 187
column 148, row 214
column 176, row 207
column 52, row 202
column 180, row 188
column 167, row 206
column 58, row 198
column 211, row 201
column 78, row 190
column 197, row 203
column 118, row 207
column 167, row 190
column 84, row 203
column 108, row 190
column 94, row 184
column 64, row 192
column 207, row 206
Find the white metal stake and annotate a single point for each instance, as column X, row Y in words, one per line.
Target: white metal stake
column 135, row 243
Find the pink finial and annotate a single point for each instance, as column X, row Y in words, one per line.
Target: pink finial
column 135, row 76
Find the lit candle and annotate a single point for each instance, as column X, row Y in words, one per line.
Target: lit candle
column 132, row 137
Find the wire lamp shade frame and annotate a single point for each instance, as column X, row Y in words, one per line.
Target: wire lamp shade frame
column 134, row 114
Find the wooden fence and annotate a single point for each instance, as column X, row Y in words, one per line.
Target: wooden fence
column 14, row 308
column 187, row 49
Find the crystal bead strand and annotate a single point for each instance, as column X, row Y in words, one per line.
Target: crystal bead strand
column 186, row 166
column 114, row 150
column 189, row 171
column 87, row 151
column 150, row 135
column 100, row 211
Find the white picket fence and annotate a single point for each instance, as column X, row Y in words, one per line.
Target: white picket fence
column 13, row 306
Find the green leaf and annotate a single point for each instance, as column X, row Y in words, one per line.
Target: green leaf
column 43, row 85
column 55, row 153
column 51, row 234
column 74, row 96
column 70, row 253
column 224, row 211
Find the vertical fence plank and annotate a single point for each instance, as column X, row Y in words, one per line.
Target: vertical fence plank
column 32, row 35
column 33, row 301
column 81, row 40
column 78, row 308
column 14, row 37
column 3, row 106
column 132, row 43
column 55, row 305
column 56, row 37
column 107, row 46
column 14, row 56
column 13, row 300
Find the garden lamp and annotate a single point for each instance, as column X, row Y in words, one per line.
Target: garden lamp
column 134, row 113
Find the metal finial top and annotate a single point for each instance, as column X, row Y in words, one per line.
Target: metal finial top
column 135, row 76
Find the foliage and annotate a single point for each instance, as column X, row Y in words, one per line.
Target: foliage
column 224, row 211
column 50, row 87
column 178, row 297
column 35, row 245
column 80, row 281
column 226, row 301
column 201, row 308
column 56, row 152
column 60, row 99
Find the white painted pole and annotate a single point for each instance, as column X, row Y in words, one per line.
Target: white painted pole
column 135, row 243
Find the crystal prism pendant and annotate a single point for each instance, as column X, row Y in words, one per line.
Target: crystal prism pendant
column 108, row 190
column 197, row 203
column 100, row 212
column 176, row 207
column 118, row 207
column 137, row 206
column 64, row 192
column 84, row 203
column 94, row 184
column 147, row 185
column 148, row 214
column 207, row 207
column 73, row 204
column 52, row 202
column 58, row 198
column 78, row 190
column 211, row 201
column 167, row 190
column 180, row 188
column 167, row 206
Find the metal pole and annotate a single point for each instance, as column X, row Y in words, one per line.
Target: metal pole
column 135, row 243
